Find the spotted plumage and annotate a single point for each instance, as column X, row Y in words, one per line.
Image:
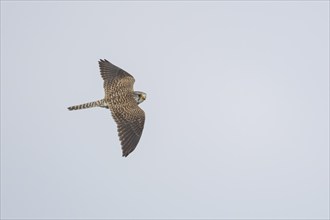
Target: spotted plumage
column 123, row 103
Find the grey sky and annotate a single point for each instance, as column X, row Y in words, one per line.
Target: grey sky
column 237, row 110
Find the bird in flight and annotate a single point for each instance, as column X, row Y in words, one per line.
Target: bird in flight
column 123, row 103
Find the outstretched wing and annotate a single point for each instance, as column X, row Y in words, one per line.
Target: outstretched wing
column 116, row 80
column 109, row 72
column 130, row 123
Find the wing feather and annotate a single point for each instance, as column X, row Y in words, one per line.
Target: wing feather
column 130, row 127
column 109, row 71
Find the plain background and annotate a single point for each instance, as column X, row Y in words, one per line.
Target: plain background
column 237, row 110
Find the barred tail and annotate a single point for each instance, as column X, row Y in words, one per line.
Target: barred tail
column 99, row 103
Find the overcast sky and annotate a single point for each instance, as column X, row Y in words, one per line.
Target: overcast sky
column 237, row 112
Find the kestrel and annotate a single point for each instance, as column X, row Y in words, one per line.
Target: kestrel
column 123, row 103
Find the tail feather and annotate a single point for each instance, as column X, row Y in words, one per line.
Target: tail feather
column 99, row 103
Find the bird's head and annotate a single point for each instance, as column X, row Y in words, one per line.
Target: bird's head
column 139, row 96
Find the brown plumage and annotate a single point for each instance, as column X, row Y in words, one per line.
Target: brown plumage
column 123, row 102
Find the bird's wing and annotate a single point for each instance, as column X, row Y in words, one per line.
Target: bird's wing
column 109, row 72
column 130, row 122
column 116, row 80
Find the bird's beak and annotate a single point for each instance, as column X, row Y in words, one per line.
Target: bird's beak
column 144, row 96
